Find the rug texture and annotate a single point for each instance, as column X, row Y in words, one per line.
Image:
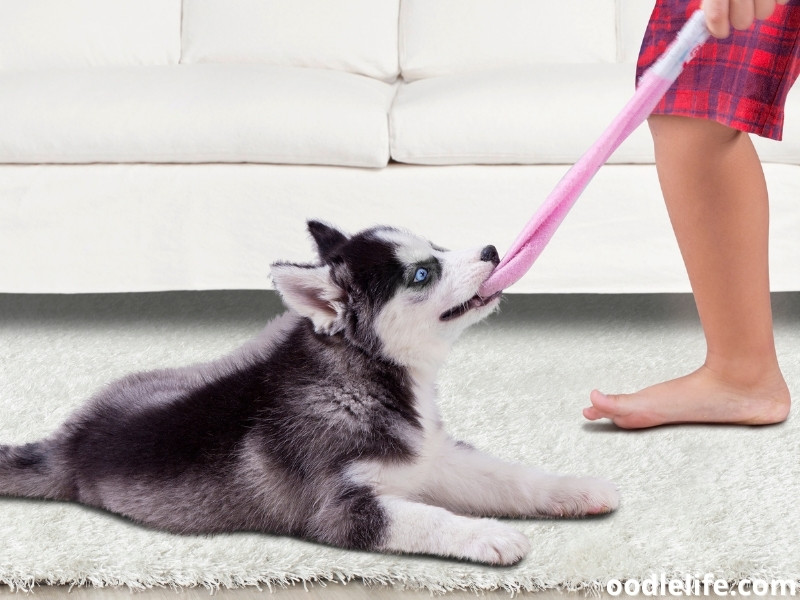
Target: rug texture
column 695, row 499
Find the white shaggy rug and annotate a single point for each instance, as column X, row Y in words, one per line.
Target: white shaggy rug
column 695, row 499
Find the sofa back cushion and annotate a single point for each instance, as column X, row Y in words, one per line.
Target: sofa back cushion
column 444, row 37
column 359, row 36
column 631, row 22
column 77, row 33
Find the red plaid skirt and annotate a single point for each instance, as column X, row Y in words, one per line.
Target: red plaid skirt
column 741, row 81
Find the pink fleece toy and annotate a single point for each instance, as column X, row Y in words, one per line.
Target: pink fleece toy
column 652, row 86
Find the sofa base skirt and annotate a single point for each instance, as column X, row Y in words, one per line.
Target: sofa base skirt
column 142, row 227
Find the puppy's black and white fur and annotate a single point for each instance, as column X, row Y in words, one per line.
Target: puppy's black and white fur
column 324, row 427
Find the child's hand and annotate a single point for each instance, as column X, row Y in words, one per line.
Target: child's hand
column 722, row 14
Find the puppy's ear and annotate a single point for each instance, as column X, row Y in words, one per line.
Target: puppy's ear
column 327, row 238
column 309, row 291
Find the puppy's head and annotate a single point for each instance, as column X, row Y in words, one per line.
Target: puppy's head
column 389, row 291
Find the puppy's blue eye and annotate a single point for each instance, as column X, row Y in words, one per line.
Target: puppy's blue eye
column 421, row 275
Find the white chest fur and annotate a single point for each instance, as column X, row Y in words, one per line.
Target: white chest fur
column 408, row 479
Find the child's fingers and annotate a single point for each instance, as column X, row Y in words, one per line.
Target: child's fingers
column 742, row 13
column 764, row 8
column 717, row 17
column 722, row 14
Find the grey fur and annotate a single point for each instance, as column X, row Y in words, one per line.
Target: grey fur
column 299, row 406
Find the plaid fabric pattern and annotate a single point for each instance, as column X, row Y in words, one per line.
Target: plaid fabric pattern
column 741, row 81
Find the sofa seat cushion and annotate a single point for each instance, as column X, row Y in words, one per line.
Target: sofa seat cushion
column 194, row 113
column 540, row 114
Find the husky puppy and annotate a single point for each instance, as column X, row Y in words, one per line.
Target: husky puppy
column 323, row 427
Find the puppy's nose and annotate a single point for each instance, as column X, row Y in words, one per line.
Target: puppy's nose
column 489, row 254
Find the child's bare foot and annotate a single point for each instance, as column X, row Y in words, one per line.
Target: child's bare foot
column 700, row 397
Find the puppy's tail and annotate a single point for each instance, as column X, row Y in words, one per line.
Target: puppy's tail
column 29, row 471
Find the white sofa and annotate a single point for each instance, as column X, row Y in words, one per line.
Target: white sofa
column 180, row 144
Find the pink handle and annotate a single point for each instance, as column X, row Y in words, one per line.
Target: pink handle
column 544, row 223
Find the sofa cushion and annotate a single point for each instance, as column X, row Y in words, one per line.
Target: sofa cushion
column 444, row 37
column 359, row 36
column 194, row 113
column 632, row 19
column 59, row 33
column 543, row 114
column 529, row 115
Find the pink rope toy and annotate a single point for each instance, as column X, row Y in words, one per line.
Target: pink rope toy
column 652, row 86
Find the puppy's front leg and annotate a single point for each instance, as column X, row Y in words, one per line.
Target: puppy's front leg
column 418, row 528
column 468, row 481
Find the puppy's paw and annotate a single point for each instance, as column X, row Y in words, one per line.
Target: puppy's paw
column 580, row 496
column 491, row 542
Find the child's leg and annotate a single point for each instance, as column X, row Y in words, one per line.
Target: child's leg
column 716, row 196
